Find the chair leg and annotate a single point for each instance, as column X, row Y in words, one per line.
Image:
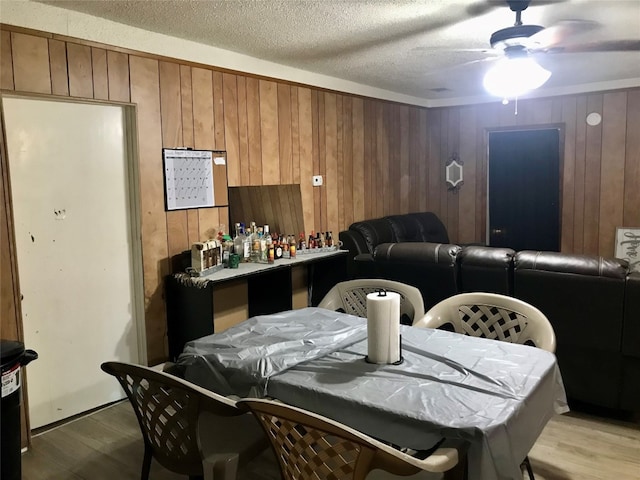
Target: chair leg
column 527, row 464
column 146, row 463
column 220, row 467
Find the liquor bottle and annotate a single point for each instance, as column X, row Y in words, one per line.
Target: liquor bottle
column 281, row 247
column 311, row 243
column 329, row 239
column 292, row 246
column 266, row 242
column 227, row 250
column 238, row 241
column 256, row 240
column 302, row 244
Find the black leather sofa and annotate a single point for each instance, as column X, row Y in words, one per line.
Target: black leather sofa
column 592, row 302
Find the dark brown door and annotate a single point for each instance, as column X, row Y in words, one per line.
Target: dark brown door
column 524, row 189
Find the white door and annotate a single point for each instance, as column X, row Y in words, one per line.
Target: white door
column 69, row 178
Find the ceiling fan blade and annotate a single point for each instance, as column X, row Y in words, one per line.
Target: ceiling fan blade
column 561, row 32
column 601, row 46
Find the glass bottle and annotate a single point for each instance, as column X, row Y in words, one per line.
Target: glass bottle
column 266, row 246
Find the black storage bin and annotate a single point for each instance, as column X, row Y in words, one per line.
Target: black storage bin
column 14, row 356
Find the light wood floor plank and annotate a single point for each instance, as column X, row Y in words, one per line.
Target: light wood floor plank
column 107, row 445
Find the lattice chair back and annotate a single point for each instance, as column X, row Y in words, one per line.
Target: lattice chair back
column 493, row 316
column 351, row 297
column 312, row 447
column 168, row 409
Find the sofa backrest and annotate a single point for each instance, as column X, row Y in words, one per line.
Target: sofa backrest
column 583, row 298
column 431, row 267
column 486, row 269
column 569, row 288
column 431, row 228
column 374, row 232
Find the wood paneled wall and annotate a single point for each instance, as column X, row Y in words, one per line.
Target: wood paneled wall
column 377, row 157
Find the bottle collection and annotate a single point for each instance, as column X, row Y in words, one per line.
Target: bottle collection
column 255, row 244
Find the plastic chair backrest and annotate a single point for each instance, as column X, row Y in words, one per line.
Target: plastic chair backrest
column 168, row 409
column 351, row 297
column 494, row 316
column 312, row 447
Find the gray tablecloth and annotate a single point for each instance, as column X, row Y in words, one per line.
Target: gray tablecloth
column 496, row 395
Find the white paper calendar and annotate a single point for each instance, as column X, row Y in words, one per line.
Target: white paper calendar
column 188, row 178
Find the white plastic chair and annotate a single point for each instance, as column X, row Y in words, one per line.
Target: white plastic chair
column 187, row 429
column 312, row 447
column 493, row 316
column 351, row 297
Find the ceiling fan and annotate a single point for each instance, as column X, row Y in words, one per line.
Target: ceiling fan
column 517, row 70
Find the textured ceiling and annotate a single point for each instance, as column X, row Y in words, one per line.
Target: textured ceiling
column 432, row 49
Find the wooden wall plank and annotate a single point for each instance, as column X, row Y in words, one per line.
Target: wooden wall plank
column 320, row 163
column 305, row 125
column 204, row 138
column 80, row 70
column 348, row 149
column 231, row 136
column 30, row 56
column 58, row 65
column 581, row 152
column 316, row 151
column 269, row 132
column 593, row 167
column 405, row 180
column 569, row 106
column 614, row 109
column 295, row 135
column 186, row 107
column 338, row 224
column 254, row 134
column 393, row 159
column 284, row 133
column 218, row 110
column 423, row 158
column 171, row 119
column 631, row 214
column 6, row 61
column 171, row 105
column 435, row 127
column 243, row 132
column 330, row 208
column 358, row 159
column 145, row 92
column 118, row 76
column 369, row 152
column 453, row 148
column 100, row 78
column 467, row 192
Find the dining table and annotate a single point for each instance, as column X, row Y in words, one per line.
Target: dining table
column 495, row 396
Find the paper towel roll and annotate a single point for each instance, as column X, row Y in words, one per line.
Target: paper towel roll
column 383, row 327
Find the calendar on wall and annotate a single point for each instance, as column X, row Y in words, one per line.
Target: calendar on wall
column 188, row 178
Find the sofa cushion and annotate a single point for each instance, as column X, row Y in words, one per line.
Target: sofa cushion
column 374, row 232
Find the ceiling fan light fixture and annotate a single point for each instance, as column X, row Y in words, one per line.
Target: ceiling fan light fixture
column 513, row 77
